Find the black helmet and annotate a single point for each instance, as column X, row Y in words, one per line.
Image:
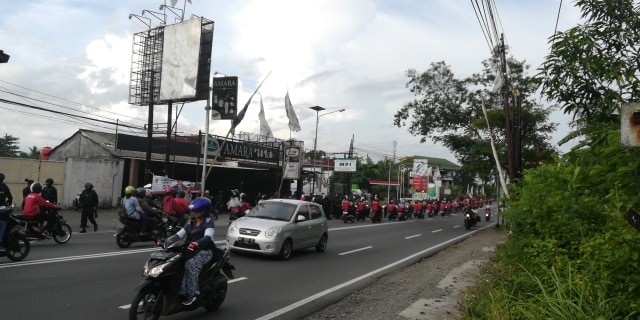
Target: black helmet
column 1, row 177
column 88, row 186
column 36, row 187
column 181, row 193
column 49, row 181
column 140, row 192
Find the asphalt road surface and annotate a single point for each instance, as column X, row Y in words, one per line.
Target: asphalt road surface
column 91, row 277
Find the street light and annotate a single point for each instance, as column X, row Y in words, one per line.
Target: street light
column 315, row 141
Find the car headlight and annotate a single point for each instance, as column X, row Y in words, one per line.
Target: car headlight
column 272, row 232
column 232, row 227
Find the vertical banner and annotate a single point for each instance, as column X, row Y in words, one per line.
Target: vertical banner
column 292, row 162
column 224, row 104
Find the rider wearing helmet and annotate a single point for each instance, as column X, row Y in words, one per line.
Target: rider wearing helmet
column 147, row 205
column 199, row 234
column 88, row 202
column 133, row 209
column 234, row 204
column 181, row 206
column 34, row 204
column 168, row 201
column 6, row 199
column 49, row 192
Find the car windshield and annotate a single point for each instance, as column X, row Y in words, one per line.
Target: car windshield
column 273, row 211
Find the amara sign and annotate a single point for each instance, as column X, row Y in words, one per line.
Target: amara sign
column 249, row 151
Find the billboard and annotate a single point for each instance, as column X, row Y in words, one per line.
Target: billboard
column 225, row 98
column 345, row 165
column 292, row 162
column 181, row 51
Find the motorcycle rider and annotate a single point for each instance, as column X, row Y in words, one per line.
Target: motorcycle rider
column 244, row 204
column 199, row 233
column 375, row 205
column 5, row 200
column 346, row 204
column 146, row 204
column 182, row 206
column 34, row 204
column 169, row 202
column 234, row 203
column 49, row 192
column 132, row 208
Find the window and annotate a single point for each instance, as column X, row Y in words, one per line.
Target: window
column 304, row 211
column 315, row 212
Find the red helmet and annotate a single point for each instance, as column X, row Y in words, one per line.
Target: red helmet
column 168, row 189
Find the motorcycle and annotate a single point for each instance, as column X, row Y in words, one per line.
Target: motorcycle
column 470, row 219
column 157, row 294
column 487, row 214
column 376, row 216
column 348, row 217
column 129, row 231
column 60, row 231
column 15, row 240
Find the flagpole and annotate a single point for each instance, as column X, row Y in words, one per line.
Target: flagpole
column 234, row 124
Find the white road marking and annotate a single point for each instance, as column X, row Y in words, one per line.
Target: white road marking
column 352, row 251
column 414, row 236
column 360, row 278
column 84, row 257
column 434, row 231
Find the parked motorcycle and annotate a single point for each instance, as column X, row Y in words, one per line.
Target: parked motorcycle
column 15, row 240
column 157, row 294
column 487, row 213
column 129, row 231
column 470, row 218
column 60, row 231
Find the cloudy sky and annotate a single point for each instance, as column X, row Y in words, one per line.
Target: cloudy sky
column 74, row 56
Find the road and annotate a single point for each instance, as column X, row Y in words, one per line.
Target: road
column 91, row 277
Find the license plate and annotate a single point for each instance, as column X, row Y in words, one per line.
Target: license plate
column 246, row 240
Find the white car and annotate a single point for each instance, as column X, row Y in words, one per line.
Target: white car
column 278, row 227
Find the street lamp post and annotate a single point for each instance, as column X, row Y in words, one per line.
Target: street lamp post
column 315, row 141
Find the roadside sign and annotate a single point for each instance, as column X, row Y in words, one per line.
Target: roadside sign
column 212, row 146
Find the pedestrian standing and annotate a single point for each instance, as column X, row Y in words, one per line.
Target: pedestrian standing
column 89, row 206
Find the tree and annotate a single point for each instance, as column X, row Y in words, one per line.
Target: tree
column 9, row 146
column 33, row 153
column 448, row 110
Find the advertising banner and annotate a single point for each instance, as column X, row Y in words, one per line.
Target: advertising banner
column 225, row 98
column 345, row 165
column 292, row 162
column 160, row 183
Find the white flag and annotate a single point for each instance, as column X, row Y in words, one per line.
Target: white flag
column 265, row 130
column 173, row 3
column 294, row 125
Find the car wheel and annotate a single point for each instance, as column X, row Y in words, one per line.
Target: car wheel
column 322, row 244
column 286, row 249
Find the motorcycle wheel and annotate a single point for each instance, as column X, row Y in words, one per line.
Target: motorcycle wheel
column 467, row 225
column 17, row 248
column 219, row 294
column 122, row 242
column 63, row 234
column 146, row 305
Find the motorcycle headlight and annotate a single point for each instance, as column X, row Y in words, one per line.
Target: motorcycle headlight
column 466, row 215
column 156, row 270
column 272, row 232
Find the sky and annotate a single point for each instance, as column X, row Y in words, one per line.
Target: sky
column 74, row 56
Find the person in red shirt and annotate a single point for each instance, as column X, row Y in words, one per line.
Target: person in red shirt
column 417, row 208
column 181, row 206
column 169, row 202
column 32, row 207
column 392, row 212
column 375, row 207
column 244, row 204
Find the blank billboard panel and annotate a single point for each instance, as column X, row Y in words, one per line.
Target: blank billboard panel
column 180, row 58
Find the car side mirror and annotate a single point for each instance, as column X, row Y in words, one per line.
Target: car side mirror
column 300, row 218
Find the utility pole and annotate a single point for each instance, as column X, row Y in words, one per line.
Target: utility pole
column 506, row 91
column 350, row 155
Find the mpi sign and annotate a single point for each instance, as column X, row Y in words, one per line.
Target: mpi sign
column 345, row 165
